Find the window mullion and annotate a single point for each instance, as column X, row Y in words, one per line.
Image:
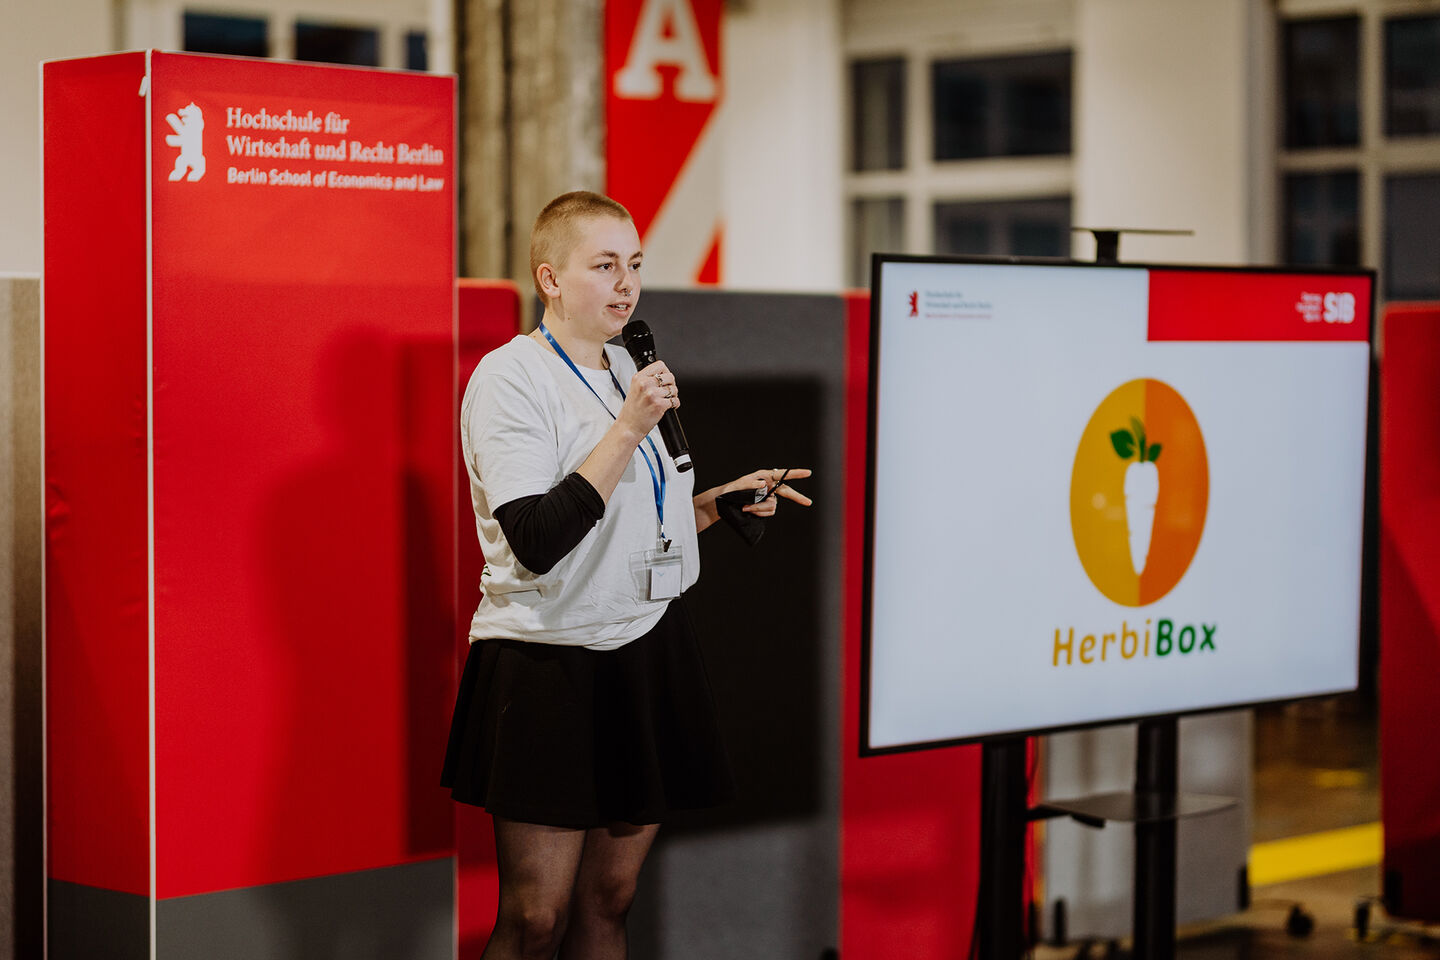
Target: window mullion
column 1372, row 138
column 282, row 35
column 1322, row 160
column 1410, row 155
column 1264, row 124
column 919, row 156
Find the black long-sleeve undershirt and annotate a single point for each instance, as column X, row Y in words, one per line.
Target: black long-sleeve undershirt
column 544, row 527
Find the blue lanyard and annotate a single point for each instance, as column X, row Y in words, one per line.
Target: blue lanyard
column 658, row 482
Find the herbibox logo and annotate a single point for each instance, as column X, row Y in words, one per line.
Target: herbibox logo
column 189, row 125
column 1138, row 492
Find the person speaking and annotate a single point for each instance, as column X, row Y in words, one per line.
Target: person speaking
column 584, row 716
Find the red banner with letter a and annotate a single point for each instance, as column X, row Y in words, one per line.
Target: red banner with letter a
column 662, row 143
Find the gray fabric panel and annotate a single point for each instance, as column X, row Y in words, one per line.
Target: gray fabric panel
column 88, row 922
column 22, row 862
column 763, row 379
column 405, row 911
column 1093, row 870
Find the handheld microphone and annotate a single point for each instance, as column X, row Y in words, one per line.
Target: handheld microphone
column 641, row 344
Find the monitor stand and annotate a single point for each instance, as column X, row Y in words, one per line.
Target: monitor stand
column 1154, row 807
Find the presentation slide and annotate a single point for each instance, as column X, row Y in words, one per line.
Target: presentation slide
column 1101, row 493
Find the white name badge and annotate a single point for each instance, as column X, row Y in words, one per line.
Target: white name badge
column 665, row 580
column 659, row 573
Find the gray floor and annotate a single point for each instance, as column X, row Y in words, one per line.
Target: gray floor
column 1317, row 767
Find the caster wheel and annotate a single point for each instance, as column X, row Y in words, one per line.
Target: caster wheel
column 1362, row 920
column 1299, row 923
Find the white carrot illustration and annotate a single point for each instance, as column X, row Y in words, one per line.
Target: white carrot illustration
column 1142, row 489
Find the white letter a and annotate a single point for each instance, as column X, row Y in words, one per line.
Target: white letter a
column 639, row 80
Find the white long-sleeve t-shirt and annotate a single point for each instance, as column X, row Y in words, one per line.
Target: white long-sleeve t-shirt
column 526, row 422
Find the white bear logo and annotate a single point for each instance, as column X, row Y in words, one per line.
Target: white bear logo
column 188, row 126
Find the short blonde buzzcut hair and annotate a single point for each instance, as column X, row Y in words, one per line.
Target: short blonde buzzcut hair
column 557, row 229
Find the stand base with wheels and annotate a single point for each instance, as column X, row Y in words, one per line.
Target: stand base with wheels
column 1153, row 807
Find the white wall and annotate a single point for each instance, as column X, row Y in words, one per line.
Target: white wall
column 782, row 157
column 159, row 23
column 29, row 33
column 1162, row 125
column 36, row 30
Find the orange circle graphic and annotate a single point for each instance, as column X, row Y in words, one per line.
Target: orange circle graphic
column 1138, row 492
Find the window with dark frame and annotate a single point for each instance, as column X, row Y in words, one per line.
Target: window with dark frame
column 1322, row 219
column 1002, row 107
column 1322, row 61
column 1412, row 76
column 217, row 33
column 332, row 43
column 877, row 116
column 1412, row 237
column 417, row 51
column 981, row 108
column 1019, row 228
column 877, row 225
column 1321, row 69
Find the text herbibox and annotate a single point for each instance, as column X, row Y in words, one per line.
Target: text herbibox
column 250, row 496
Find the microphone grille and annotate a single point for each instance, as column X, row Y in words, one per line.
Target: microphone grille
column 633, row 329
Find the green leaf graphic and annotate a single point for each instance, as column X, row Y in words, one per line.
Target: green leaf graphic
column 1123, row 443
column 1140, row 435
column 1154, row 452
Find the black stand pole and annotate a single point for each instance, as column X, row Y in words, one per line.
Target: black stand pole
column 1004, row 815
column 1107, row 246
column 1156, row 783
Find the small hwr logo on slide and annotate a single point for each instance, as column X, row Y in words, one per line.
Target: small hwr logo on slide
column 189, row 126
column 914, row 303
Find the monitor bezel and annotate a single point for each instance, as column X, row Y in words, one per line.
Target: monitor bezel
column 1369, row 559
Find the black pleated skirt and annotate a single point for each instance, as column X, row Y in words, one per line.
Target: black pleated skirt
column 580, row 738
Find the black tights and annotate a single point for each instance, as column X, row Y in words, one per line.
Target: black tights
column 565, row 890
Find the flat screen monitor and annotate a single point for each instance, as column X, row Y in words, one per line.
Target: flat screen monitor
column 1100, row 493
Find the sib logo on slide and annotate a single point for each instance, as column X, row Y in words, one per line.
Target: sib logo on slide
column 1138, row 492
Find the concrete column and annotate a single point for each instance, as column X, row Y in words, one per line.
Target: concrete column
column 532, row 92
column 21, row 529
column 1162, row 108
column 783, row 120
column 485, row 159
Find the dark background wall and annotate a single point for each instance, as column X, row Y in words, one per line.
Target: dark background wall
column 763, row 381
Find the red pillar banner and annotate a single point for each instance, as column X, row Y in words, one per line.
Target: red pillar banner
column 250, row 475
column 488, row 316
column 662, row 149
column 909, row 825
column 1410, row 610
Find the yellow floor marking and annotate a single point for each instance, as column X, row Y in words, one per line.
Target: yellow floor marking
column 1315, row 854
column 1338, row 779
